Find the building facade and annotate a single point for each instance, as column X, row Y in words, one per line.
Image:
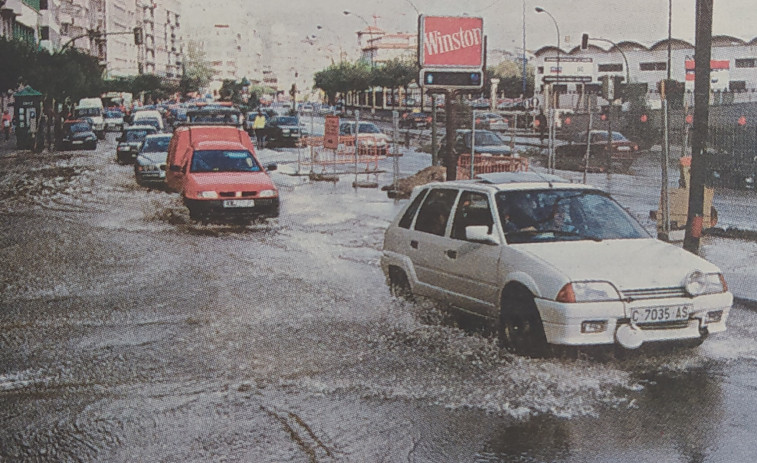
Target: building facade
column 733, row 66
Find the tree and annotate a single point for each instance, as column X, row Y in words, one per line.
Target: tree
column 197, row 72
column 394, row 74
column 510, row 74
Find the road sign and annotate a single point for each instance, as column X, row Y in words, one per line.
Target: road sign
column 568, row 69
column 331, row 132
column 433, row 78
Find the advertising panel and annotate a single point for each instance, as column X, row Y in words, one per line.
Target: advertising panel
column 450, row 42
column 720, row 74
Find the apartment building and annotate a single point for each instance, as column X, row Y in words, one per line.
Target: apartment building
column 103, row 29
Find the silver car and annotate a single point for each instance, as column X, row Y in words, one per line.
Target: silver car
column 550, row 263
column 150, row 165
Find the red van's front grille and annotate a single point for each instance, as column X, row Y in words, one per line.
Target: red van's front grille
column 237, row 194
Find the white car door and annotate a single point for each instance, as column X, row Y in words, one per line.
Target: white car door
column 472, row 268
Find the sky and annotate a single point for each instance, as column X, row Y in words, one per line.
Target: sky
column 284, row 25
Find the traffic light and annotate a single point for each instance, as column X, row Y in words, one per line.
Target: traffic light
column 584, row 41
column 611, row 87
column 138, row 37
column 452, row 79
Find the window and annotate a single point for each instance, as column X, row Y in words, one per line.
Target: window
column 44, row 33
column 737, row 85
column 407, row 218
column 659, row 66
column 610, row 67
column 472, row 209
column 434, row 213
column 746, row 63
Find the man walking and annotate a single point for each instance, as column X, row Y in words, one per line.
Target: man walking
column 6, row 121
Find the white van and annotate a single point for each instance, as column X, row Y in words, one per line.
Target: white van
column 148, row 114
column 92, row 108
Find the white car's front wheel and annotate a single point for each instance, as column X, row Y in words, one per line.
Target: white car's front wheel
column 520, row 326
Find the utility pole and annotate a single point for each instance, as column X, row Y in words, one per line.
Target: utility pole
column 450, row 157
column 702, row 55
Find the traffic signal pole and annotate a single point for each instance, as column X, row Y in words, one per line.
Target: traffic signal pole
column 702, row 55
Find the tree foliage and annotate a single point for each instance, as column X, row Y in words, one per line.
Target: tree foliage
column 71, row 75
column 346, row 77
column 197, row 70
column 510, row 75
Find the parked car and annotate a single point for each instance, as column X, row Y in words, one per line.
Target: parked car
column 550, row 263
column 282, row 131
column 78, row 133
column 150, row 165
column 130, row 141
column 572, row 155
column 414, row 120
column 491, row 121
column 218, row 175
column 113, row 119
column 370, row 139
column 487, row 142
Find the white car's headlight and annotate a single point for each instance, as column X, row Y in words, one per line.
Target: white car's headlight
column 267, row 194
column 698, row 283
column 588, row 291
column 207, row 194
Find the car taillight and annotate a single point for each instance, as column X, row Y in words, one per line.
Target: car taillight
column 635, row 147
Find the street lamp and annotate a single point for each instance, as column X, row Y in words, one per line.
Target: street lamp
column 615, row 45
column 552, row 127
column 370, row 31
column 542, row 10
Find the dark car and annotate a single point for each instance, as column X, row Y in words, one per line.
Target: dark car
column 282, row 131
column 486, row 143
column 415, row 120
column 150, row 165
column 78, row 134
column 130, row 142
column 572, row 155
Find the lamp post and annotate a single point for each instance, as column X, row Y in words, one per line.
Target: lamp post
column 551, row 148
column 625, row 60
column 370, row 30
column 542, row 10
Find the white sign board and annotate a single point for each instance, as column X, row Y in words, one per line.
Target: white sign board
column 568, row 69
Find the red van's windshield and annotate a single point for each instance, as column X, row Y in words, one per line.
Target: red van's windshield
column 223, row 161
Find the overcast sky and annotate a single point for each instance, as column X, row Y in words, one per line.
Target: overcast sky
column 645, row 21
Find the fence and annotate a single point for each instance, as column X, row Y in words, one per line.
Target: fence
column 484, row 164
column 336, row 161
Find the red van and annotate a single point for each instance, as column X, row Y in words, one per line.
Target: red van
column 216, row 171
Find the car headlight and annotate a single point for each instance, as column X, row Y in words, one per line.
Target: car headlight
column 267, row 194
column 588, row 291
column 207, row 194
column 698, row 283
column 90, row 138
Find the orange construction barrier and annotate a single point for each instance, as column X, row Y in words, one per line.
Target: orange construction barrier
column 486, row 164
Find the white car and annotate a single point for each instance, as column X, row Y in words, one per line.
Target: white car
column 550, row 262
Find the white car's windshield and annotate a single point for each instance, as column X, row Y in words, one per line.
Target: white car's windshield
column 560, row 215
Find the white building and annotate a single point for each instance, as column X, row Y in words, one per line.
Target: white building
column 733, row 61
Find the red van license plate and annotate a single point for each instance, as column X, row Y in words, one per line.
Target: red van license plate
column 239, row 203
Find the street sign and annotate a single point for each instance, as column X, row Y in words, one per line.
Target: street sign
column 433, row 78
column 451, row 42
column 331, row 132
column 568, row 69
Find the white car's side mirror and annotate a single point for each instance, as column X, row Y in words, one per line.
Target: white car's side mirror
column 480, row 234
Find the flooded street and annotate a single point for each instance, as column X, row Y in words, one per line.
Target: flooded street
column 130, row 333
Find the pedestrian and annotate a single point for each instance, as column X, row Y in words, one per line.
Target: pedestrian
column 258, row 126
column 541, row 124
column 39, row 141
column 7, row 124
